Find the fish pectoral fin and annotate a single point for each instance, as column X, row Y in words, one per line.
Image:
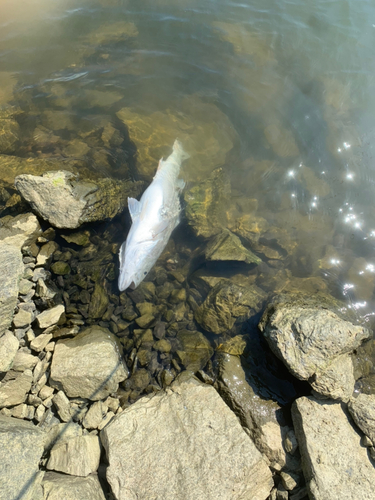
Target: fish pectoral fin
column 180, row 184
column 159, row 228
column 134, row 208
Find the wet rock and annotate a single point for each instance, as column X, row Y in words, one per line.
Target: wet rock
column 110, row 33
column 79, row 456
column 50, row 317
column 80, row 238
column 60, row 268
column 196, row 350
column 235, row 346
column 8, row 350
column 312, row 339
column 227, row 246
column 99, row 302
column 14, row 392
column 67, row 202
column 60, row 486
column 333, row 461
column 46, row 252
column 362, row 409
column 145, row 321
column 260, row 416
column 281, row 139
column 9, row 136
column 225, row 303
column 206, row 203
column 89, row 365
column 21, row 445
column 150, row 429
column 204, row 131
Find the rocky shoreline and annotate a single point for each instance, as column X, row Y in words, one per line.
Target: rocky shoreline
column 122, row 396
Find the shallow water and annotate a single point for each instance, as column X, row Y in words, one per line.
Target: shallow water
column 278, row 93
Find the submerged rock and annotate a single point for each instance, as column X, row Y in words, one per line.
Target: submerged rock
column 213, row 454
column 205, row 132
column 67, row 202
column 311, row 337
column 9, row 136
column 22, row 446
column 334, row 463
column 196, row 350
column 225, row 303
column 228, row 246
column 89, row 365
column 63, row 487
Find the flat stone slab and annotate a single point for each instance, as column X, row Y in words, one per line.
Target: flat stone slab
column 183, row 443
column 334, row 463
column 62, row 487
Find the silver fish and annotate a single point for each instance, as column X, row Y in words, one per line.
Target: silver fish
column 154, row 217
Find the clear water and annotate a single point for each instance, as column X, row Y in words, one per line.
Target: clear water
column 295, row 79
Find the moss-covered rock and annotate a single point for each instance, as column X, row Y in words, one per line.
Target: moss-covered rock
column 61, row 268
column 80, row 238
column 227, row 246
column 234, row 346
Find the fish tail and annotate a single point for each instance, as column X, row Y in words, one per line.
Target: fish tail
column 177, row 148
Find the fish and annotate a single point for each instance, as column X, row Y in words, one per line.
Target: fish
column 154, row 217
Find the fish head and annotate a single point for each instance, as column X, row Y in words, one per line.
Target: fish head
column 136, row 260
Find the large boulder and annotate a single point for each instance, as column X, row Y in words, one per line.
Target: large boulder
column 67, row 202
column 193, row 445
column 335, row 465
column 89, row 365
column 225, row 303
column 22, row 446
column 313, row 339
column 62, row 487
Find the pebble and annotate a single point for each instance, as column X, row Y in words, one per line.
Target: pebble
column 290, row 442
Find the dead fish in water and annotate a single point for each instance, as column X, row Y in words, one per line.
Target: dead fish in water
column 154, row 217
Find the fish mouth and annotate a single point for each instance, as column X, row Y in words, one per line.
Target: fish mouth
column 132, row 286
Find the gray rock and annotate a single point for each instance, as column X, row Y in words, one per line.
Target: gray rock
column 95, row 415
column 23, row 319
column 25, row 286
column 24, row 361
column 67, row 202
column 258, row 415
column 192, row 443
column 60, row 433
column 50, row 317
column 313, row 340
column 20, row 231
column 89, row 365
column 8, row 350
column 40, row 342
column 61, row 487
column 13, row 392
column 46, row 252
column 11, row 270
column 21, row 445
column 334, row 463
column 362, row 409
column 63, row 406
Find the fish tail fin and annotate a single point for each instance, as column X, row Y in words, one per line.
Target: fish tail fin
column 177, row 148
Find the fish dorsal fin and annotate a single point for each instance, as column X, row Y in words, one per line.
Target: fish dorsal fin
column 134, row 208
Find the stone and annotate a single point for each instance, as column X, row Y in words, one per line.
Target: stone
column 8, row 350
column 95, row 415
column 46, row 252
column 24, row 361
column 58, row 433
column 63, row 406
column 40, row 342
column 21, row 445
column 362, row 409
column 281, row 140
column 14, row 392
column 226, row 246
column 60, row 268
column 289, row 481
column 79, row 456
column 313, row 339
column 225, row 303
column 256, row 414
column 11, row 269
column 145, row 321
column 193, row 464
column 46, row 392
column 235, row 345
column 9, row 136
column 19, row 231
column 99, row 302
column 195, row 351
column 162, row 345
column 205, row 132
column 25, row 286
column 80, row 238
column 62, row 487
column 89, row 365
column 334, row 463
column 23, row 319
column 67, row 202
column 50, row 317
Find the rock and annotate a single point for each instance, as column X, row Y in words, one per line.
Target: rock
column 145, row 321
column 79, row 456
column 162, row 345
column 19, row 231
column 313, row 340
column 23, row 319
column 25, row 286
column 204, row 131
column 206, row 202
column 81, row 238
column 228, row 246
column 8, row 350
column 89, row 365
column 67, row 202
column 60, row 268
column 99, row 302
column 212, row 454
column 46, row 252
column 21, row 445
column 13, row 392
column 235, row 346
column 24, row 361
column 196, row 349
column 63, row 406
column 11, row 269
column 289, row 481
column 258, row 415
column 281, row 139
column 59, row 433
column 362, row 409
column 333, row 461
column 62, row 487
column 50, row 317
column 40, row 342
column 95, row 415
column 9, row 136
column 225, row 303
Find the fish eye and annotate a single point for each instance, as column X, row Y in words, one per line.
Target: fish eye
column 145, row 273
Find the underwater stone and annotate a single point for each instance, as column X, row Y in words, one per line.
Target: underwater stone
column 60, row 268
column 81, row 238
column 99, row 302
column 9, row 136
column 67, row 202
column 228, row 246
column 196, row 349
